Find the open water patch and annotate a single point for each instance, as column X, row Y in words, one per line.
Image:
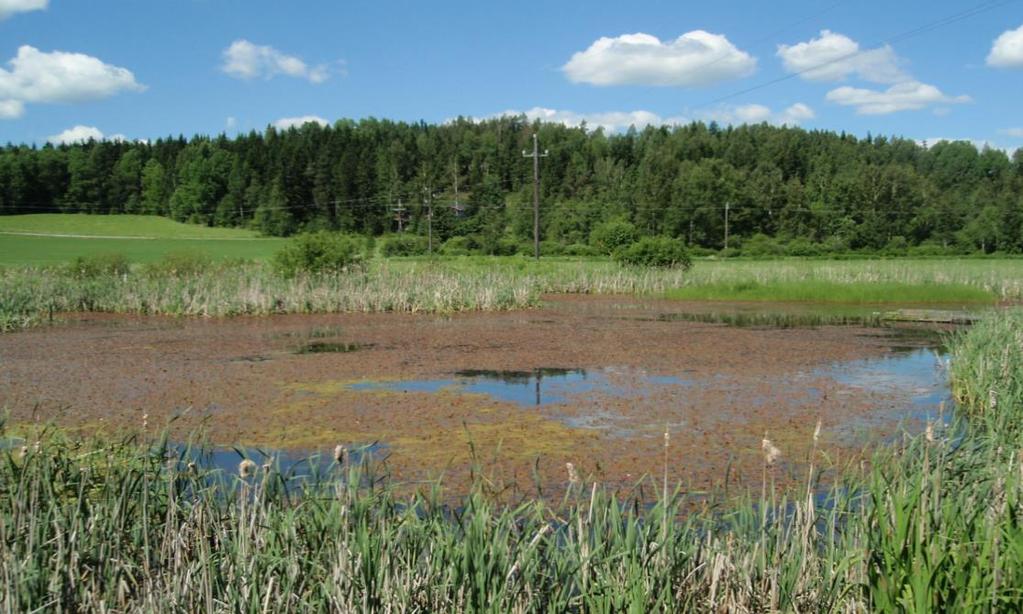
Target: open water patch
column 532, row 388
column 916, row 376
column 301, row 465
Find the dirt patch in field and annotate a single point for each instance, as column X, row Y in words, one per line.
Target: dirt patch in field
column 717, row 389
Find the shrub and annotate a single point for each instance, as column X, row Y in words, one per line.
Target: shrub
column 99, row 264
column 181, row 264
column 403, row 245
column 456, row 246
column 318, row 252
column 803, row 247
column 613, row 235
column 580, row 249
column 547, row 248
column 761, row 245
column 656, row 252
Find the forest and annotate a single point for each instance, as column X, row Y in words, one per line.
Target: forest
column 759, row 189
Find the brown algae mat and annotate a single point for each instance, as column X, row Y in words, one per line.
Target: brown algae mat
column 594, row 381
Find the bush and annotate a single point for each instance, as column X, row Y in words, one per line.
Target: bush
column 580, row 249
column 803, row 247
column 456, row 246
column 319, row 252
column 403, row 245
column 656, row 252
column 100, row 264
column 180, row 264
column 613, row 235
column 761, row 245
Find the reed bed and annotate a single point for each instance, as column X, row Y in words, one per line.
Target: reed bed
column 933, row 523
column 30, row 295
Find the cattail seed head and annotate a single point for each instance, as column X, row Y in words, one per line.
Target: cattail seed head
column 771, row 452
column 340, row 452
column 145, row 421
column 246, row 468
column 929, row 432
column 192, row 468
column 573, row 476
column 817, row 431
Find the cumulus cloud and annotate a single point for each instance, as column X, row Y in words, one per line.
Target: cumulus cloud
column 1007, row 50
column 833, row 57
column 11, row 109
column 907, row 96
column 231, row 122
column 693, row 59
column 35, row 76
column 1016, row 132
column 616, row 121
column 245, row 60
column 10, row 7
column 77, row 134
column 611, row 121
column 758, row 113
column 980, row 144
column 297, row 122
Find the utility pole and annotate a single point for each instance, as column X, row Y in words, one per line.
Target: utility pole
column 457, row 207
column 727, row 206
column 428, row 201
column 536, row 155
column 399, row 215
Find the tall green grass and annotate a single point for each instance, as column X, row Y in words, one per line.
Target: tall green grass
column 822, row 291
column 32, row 294
column 934, row 523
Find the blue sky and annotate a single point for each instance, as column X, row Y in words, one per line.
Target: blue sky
column 142, row 70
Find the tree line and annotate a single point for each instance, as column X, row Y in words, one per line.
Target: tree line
column 777, row 186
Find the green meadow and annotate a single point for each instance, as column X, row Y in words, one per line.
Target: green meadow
column 45, row 239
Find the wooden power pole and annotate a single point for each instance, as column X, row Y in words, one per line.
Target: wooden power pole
column 536, row 155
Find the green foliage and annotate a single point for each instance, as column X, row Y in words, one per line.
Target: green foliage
column 319, row 252
column 403, row 245
column 456, row 246
column 836, row 191
column 613, row 235
column 84, row 267
column 180, row 264
column 664, row 252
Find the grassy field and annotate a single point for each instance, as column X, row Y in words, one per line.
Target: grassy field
column 38, row 282
column 823, row 291
column 934, row 523
column 44, row 239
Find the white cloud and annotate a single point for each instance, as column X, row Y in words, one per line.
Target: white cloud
column 758, row 113
column 297, row 122
column 39, row 77
column 798, row 113
column 10, row 7
column 78, row 134
column 615, row 121
column 1007, row 50
column 231, row 122
column 906, row 96
column 1016, row 132
column 833, row 57
column 611, row 121
column 82, row 134
column 245, row 60
column 11, row 109
column 693, row 59
column 980, row 144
